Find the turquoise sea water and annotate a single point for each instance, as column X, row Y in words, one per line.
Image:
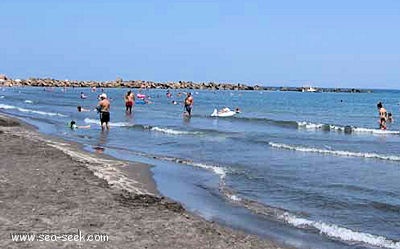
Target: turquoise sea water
column 307, row 169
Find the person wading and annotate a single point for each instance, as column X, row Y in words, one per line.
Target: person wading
column 104, row 109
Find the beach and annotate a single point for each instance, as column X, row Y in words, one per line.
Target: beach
column 52, row 187
column 280, row 173
column 200, row 124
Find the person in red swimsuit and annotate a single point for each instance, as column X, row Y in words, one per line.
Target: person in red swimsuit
column 129, row 100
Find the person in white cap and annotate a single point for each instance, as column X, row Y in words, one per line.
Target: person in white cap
column 104, row 109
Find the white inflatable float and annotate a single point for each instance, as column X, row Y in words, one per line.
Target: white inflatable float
column 226, row 112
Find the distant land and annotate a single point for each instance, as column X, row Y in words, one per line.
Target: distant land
column 120, row 83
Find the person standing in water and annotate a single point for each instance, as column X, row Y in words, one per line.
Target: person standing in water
column 129, row 100
column 189, row 104
column 382, row 111
column 104, row 109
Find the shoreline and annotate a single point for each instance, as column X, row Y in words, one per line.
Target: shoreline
column 50, row 185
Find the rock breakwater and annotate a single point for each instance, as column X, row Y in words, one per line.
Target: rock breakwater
column 119, row 83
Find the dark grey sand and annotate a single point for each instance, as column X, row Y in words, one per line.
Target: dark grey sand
column 50, row 186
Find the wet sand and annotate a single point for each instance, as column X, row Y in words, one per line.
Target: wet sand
column 51, row 186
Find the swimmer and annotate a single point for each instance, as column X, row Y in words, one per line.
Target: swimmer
column 390, row 118
column 147, row 100
column 237, row 110
column 73, row 126
column 81, row 109
column 83, row 96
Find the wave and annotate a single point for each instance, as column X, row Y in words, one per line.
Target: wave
column 314, row 126
column 114, row 124
column 220, row 171
column 345, row 129
column 28, row 101
column 172, row 131
column 338, row 232
column 308, row 125
column 10, row 107
column 165, row 130
column 335, row 152
column 282, row 123
column 144, row 127
column 330, row 230
column 374, row 131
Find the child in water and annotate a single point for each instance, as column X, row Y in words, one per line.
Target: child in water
column 81, row 109
column 390, row 117
column 73, row 126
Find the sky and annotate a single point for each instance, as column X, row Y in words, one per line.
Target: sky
column 341, row 43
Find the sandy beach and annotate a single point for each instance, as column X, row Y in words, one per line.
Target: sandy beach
column 51, row 187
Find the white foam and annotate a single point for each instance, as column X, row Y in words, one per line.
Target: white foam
column 308, row 125
column 337, row 128
column 91, row 121
column 314, row 126
column 234, row 197
column 28, row 101
column 335, row 152
column 171, row 131
column 3, row 106
column 374, row 131
column 120, row 124
column 114, row 124
column 342, row 233
column 220, row 171
column 217, row 170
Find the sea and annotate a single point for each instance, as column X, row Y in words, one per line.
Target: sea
column 304, row 169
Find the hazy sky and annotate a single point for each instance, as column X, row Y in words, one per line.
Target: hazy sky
column 341, row 43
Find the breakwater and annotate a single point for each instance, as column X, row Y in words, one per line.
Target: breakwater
column 119, row 83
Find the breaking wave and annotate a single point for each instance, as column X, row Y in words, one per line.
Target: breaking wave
column 332, row 231
column 345, row 129
column 335, row 152
column 11, row 107
column 115, row 124
column 338, row 232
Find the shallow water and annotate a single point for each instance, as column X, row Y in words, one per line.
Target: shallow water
column 310, row 169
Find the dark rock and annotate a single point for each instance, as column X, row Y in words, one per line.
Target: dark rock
column 119, row 83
